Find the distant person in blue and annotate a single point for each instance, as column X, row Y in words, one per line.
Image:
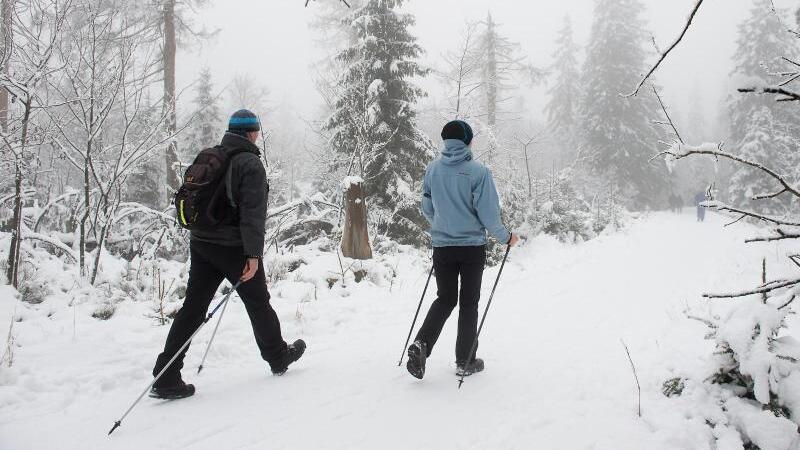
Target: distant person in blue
column 460, row 201
column 699, row 198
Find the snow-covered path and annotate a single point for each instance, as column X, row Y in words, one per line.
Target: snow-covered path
column 557, row 375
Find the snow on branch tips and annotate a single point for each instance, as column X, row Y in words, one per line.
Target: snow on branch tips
column 680, row 151
column 787, row 96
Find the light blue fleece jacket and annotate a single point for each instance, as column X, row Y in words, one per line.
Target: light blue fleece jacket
column 459, row 199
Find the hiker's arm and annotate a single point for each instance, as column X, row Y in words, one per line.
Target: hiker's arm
column 252, row 206
column 487, row 205
column 427, row 201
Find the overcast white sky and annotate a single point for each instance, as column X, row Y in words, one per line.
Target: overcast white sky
column 270, row 39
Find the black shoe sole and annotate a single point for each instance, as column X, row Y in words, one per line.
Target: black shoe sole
column 416, row 361
column 168, row 394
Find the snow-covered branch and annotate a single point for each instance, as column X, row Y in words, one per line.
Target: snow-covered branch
column 680, row 151
column 788, row 96
column 719, row 206
column 763, row 289
column 28, row 234
column 779, row 235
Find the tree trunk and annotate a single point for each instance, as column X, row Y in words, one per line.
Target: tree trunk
column 86, row 212
column 16, row 222
column 528, row 170
column 491, row 88
column 355, row 237
column 5, row 33
column 5, row 27
column 170, row 48
column 491, row 73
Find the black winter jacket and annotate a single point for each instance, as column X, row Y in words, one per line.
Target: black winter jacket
column 246, row 227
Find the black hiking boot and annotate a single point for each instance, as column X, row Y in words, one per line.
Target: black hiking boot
column 466, row 369
column 171, row 389
column 417, row 354
column 293, row 353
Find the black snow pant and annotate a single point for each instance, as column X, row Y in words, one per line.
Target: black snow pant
column 210, row 264
column 448, row 264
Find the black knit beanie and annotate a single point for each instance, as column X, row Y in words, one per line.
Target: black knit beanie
column 458, row 129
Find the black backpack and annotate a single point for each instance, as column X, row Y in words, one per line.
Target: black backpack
column 202, row 200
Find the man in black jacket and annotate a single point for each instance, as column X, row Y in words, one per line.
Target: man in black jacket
column 232, row 250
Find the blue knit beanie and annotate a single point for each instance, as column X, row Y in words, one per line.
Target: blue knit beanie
column 243, row 121
column 458, row 129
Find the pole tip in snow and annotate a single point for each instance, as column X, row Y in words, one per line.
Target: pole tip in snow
column 116, row 425
column 199, row 368
column 460, row 382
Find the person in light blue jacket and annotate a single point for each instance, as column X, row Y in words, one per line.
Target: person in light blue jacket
column 460, row 201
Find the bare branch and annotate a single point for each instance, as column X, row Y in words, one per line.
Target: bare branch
column 669, row 119
column 635, row 376
column 789, row 302
column 669, row 49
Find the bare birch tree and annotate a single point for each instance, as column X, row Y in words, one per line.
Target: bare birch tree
column 37, row 27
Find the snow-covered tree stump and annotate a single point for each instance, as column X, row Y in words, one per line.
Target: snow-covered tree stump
column 355, row 236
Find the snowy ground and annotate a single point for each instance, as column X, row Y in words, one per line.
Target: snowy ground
column 557, row 375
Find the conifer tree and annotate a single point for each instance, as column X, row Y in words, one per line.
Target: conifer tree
column 761, row 128
column 373, row 125
column 617, row 132
column 205, row 128
column 561, row 109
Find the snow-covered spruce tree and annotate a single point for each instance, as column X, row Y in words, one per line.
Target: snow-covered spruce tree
column 765, row 139
column 617, row 135
column 560, row 211
column 207, row 124
column 373, row 126
column 762, row 129
column 562, row 109
column 145, row 184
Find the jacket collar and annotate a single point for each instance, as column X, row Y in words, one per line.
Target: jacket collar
column 232, row 141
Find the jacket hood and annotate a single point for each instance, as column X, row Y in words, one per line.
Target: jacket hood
column 455, row 151
column 232, row 141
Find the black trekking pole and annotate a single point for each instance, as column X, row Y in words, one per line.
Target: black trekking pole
column 488, row 304
column 414, row 322
column 174, row 357
column 214, row 333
